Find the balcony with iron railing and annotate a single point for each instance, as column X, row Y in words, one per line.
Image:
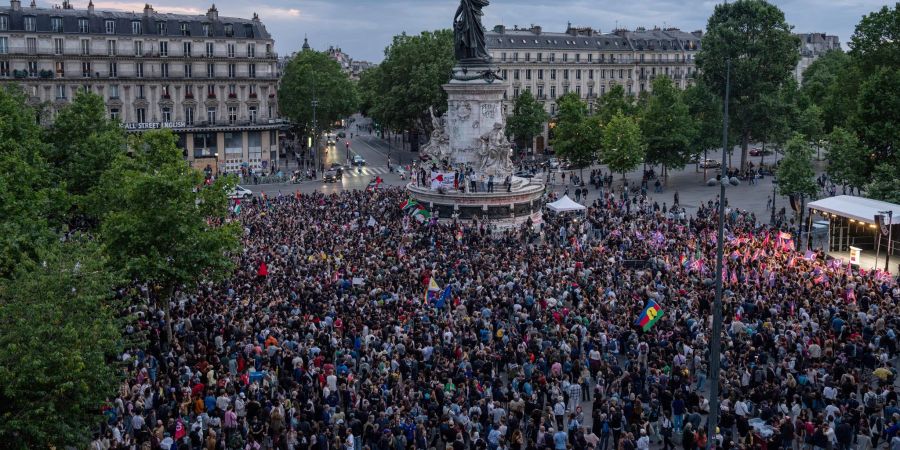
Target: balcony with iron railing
column 31, row 52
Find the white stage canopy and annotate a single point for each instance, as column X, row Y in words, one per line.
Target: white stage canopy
column 858, row 208
column 567, row 204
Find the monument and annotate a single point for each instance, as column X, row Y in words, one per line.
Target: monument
column 470, row 139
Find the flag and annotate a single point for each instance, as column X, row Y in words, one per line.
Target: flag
column 180, row 432
column 409, row 203
column 809, row 255
column 734, row 279
column 459, row 235
column 237, row 208
column 432, row 290
column 682, row 260
column 444, row 297
column 420, row 213
column 649, row 316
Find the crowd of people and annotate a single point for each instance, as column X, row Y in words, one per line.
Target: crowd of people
column 328, row 336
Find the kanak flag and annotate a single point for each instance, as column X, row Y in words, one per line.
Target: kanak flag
column 649, row 316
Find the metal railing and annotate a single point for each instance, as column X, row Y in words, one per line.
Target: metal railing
column 119, row 53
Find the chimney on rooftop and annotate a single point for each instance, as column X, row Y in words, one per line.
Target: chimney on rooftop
column 15, row 5
column 148, row 9
column 255, row 17
column 91, row 7
column 213, row 13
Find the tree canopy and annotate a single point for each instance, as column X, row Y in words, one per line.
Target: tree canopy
column 313, row 76
column 576, row 138
column 667, row 126
column 795, row 172
column 527, row 118
column 623, row 147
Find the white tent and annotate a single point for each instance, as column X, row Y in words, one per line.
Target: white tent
column 857, row 208
column 565, row 204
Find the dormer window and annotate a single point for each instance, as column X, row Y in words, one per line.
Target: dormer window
column 110, row 26
column 207, row 31
column 56, row 24
column 83, row 26
column 185, row 29
column 30, row 22
column 248, row 30
column 4, row 22
column 229, row 30
column 136, row 27
column 161, row 28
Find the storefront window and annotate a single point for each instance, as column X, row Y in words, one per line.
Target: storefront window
column 205, row 145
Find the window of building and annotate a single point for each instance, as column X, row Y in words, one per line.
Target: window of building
column 232, row 71
column 552, row 57
column 578, row 90
column 211, row 114
column 83, row 26
column 207, row 31
column 60, row 69
column 503, row 74
column 590, row 91
column 590, row 74
column 56, row 24
column 540, row 91
column 4, row 45
column 251, row 70
column 32, row 68
column 211, row 70
column 113, row 91
column 85, row 47
column 252, row 112
column 111, row 49
column 30, row 23
column 516, row 56
column 138, row 48
column 590, row 57
column 85, row 69
column 164, row 70
column 565, row 90
column 135, row 27
column 578, row 57
column 229, row 30
column 565, row 74
column 254, row 146
column 232, row 90
column 188, row 91
column 578, row 74
column 188, row 70
column 4, row 22
column 113, row 69
column 139, row 92
column 185, row 29
column 552, row 74
column 516, row 74
column 540, row 74
column 251, row 50
column 230, row 49
column 110, row 26
column 140, row 115
column 503, row 56
column 210, row 49
column 60, row 91
column 163, row 48
column 211, row 91
column 114, row 113
column 565, row 57
column 186, row 48
column 553, row 92
column 527, row 74
column 166, row 114
column 205, row 144
column 162, row 28
column 515, row 92
column 252, row 89
column 4, row 68
column 58, row 46
column 232, row 114
column 527, row 56
column 189, row 115
column 139, row 70
column 31, row 45
column 540, row 56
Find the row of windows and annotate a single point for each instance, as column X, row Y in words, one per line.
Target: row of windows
column 602, row 57
column 577, row 90
column 160, row 48
column 109, row 27
column 590, row 73
column 140, row 114
column 91, row 70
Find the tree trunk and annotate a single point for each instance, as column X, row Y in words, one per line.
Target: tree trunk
column 745, row 142
column 164, row 301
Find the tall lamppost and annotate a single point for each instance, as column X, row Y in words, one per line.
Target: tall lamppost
column 315, row 104
column 887, row 254
column 715, row 343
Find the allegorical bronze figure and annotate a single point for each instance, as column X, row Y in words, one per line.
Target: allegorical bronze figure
column 469, row 43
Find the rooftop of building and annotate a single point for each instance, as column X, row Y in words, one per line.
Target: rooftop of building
column 149, row 18
column 587, row 38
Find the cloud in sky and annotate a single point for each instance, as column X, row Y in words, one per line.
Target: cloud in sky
column 363, row 28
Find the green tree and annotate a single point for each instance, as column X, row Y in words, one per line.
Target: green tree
column 885, row 184
column 83, row 142
column 32, row 205
column 848, row 161
column 875, row 41
column 877, row 118
column 59, row 339
column 795, row 172
column 613, row 102
column 754, row 36
column 706, row 110
column 575, row 137
column 667, row 126
column 623, row 147
column 810, row 123
column 527, row 119
column 368, row 88
column 313, row 76
column 831, row 82
column 160, row 224
column 410, row 80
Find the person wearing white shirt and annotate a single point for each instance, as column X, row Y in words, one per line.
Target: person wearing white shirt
column 643, row 442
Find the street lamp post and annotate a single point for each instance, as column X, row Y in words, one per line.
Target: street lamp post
column 715, row 346
column 315, row 104
column 774, row 185
column 887, row 253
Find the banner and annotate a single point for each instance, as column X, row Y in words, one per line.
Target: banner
column 884, row 227
column 854, row 255
column 442, row 179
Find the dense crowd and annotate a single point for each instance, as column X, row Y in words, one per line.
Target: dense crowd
column 323, row 338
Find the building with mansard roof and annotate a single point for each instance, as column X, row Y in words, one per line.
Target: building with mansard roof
column 211, row 79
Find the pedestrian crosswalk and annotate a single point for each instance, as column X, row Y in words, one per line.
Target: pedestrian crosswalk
column 365, row 171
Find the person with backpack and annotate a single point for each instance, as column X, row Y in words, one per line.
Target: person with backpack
column 665, row 426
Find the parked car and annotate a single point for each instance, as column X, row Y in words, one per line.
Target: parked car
column 240, row 192
column 553, row 163
column 710, row 164
column 358, row 160
column 759, row 152
column 330, row 176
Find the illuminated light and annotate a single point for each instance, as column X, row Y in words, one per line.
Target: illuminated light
column 872, row 226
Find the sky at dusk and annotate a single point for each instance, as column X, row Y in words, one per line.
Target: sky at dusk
column 363, row 28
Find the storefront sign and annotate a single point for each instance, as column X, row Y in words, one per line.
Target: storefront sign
column 152, row 125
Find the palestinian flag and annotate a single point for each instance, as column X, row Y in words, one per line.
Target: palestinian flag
column 408, row 203
column 420, row 213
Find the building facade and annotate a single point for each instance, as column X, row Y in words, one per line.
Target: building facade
column 812, row 46
column 589, row 63
column 211, row 79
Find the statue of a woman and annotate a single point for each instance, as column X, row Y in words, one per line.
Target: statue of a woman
column 469, row 43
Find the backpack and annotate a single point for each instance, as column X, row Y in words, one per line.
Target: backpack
column 871, row 401
column 605, row 429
